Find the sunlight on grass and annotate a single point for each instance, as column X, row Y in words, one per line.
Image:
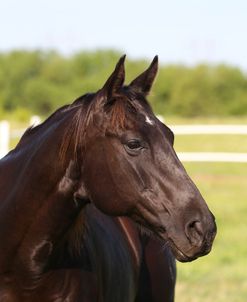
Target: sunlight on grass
column 220, row 276
column 210, row 143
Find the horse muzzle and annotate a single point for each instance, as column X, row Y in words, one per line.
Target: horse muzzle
column 194, row 241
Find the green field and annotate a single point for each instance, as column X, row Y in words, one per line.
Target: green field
column 211, row 143
column 221, row 276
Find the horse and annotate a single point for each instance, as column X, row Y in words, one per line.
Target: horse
column 106, row 149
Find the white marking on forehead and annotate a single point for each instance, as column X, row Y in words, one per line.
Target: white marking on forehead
column 148, row 120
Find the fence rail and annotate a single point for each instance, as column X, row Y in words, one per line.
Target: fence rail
column 212, row 157
column 209, row 129
column 6, row 135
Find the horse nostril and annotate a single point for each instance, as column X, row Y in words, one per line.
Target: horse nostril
column 194, row 231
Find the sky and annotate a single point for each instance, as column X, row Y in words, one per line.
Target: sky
column 179, row 31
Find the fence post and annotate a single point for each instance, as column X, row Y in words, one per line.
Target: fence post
column 4, row 138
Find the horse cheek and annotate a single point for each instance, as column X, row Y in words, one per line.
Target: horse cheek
column 106, row 181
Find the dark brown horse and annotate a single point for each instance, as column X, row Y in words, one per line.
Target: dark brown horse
column 108, row 149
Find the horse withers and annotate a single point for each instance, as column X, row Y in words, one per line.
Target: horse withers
column 107, row 148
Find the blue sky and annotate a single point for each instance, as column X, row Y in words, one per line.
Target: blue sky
column 188, row 31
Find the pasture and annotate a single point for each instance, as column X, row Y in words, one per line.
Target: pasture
column 221, row 276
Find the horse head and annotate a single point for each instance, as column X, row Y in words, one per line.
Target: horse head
column 129, row 167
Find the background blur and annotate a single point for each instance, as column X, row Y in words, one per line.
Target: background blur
column 53, row 51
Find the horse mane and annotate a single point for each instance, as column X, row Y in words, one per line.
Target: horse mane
column 76, row 234
column 76, row 123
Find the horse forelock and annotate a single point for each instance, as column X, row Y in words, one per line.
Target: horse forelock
column 119, row 113
column 124, row 106
column 119, row 109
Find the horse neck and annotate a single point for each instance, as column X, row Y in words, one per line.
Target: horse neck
column 33, row 168
column 36, row 196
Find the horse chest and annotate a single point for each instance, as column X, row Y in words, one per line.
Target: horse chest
column 58, row 286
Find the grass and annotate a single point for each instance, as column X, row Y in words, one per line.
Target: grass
column 211, row 143
column 220, row 276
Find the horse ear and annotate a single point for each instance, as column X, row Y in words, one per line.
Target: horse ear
column 116, row 79
column 143, row 83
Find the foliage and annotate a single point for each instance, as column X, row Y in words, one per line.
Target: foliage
column 41, row 81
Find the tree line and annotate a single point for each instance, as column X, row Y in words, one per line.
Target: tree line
column 38, row 82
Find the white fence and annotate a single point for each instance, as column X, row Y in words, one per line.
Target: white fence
column 6, row 135
column 212, row 157
column 4, row 138
column 209, row 129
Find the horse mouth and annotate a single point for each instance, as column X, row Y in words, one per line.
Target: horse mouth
column 178, row 254
column 160, row 234
column 195, row 252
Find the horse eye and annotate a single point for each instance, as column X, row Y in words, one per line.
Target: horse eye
column 134, row 144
